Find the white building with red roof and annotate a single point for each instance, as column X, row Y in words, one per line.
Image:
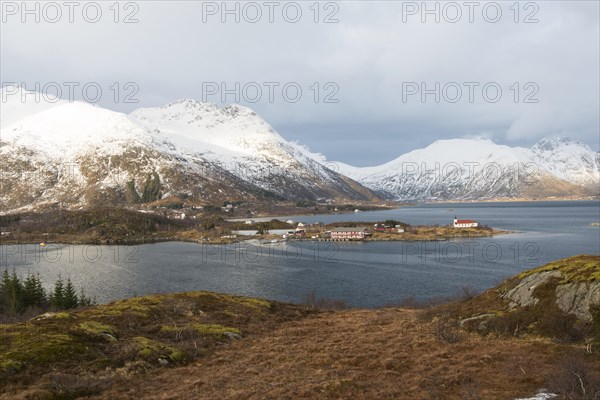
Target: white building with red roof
column 465, row 223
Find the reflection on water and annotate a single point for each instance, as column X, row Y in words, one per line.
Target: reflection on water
column 363, row 274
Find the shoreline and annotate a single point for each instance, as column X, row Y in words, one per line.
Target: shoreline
column 507, row 200
column 241, row 239
column 408, row 204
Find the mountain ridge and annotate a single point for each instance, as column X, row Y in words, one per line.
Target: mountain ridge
column 61, row 154
column 470, row 169
column 197, row 151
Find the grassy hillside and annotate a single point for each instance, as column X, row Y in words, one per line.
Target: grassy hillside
column 206, row 345
column 583, row 268
column 128, row 337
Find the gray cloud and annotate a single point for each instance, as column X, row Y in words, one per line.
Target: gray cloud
column 369, row 54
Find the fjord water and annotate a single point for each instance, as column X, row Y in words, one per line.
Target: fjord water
column 362, row 274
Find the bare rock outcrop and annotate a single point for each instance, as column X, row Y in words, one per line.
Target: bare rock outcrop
column 522, row 294
column 571, row 297
column 576, row 298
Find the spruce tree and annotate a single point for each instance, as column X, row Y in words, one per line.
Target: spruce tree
column 58, row 294
column 84, row 301
column 69, row 296
column 4, row 291
column 29, row 297
column 40, row 293
column 4, row 283
column 14, row 293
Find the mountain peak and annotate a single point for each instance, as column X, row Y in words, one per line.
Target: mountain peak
column 554, row 142
column 235, row 127
column 192, row 105
column 479, row 168
column 18, row 103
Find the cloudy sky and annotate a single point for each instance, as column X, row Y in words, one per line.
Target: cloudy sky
column 361, row 82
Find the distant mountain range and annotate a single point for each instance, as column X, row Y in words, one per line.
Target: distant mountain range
column 477, row 169
column 57, row 154
column 77, row 155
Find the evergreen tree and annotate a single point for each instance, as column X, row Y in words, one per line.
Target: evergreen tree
column 20, row 295
column 11, row 291
column 58, row 294
column 15, row 294
column 16, row 285
column 29, row 297
column 40, row 293
column 84, row 301
column 4, row 284
column 4, row 291
column 69, row 296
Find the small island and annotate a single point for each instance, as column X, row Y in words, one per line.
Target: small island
column 126, row 227
column 392, row 230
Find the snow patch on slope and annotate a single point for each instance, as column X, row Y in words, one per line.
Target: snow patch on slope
column 68, row 129
column 17, row 103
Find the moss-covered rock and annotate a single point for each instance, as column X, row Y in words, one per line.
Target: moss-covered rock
column 154, row 350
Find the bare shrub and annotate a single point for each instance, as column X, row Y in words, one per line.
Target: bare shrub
column 576, row 380
column 410, row 302
column 434, row 388
column 469, row 292
column 595, row 325
column 470, row 390
column 313, row 302
column 69, row 386
column 558, row 325
column 448, row 331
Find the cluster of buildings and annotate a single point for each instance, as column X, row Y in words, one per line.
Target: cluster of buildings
column 360, row 233
column 388, row 228
column 343, row 233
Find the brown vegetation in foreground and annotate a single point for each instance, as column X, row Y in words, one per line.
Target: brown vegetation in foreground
column 215, row 346
column 361, row 354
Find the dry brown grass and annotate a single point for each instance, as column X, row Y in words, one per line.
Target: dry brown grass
column 361, row 354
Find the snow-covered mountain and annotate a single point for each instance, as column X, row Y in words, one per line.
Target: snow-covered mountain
column 55, row 153
column 238, row 140
column 462, row 169
column 73, row 154
column 569, row 160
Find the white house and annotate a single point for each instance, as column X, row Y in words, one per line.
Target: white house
column 464, row 223
column 349, row 233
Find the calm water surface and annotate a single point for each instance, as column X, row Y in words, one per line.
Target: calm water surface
column 362, row 274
